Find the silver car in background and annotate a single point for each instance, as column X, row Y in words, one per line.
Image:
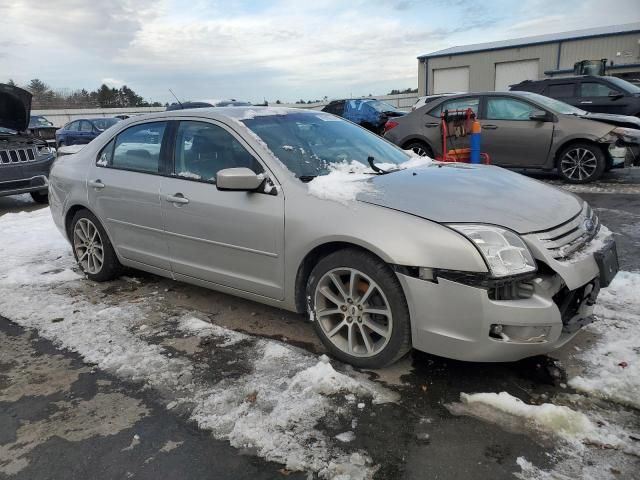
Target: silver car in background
column 469, row 262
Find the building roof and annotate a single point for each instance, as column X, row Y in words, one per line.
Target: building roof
column 537, row 39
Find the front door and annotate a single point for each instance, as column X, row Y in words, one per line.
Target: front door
column 124, row 192
column 510, row 137
column 235, row 239
column 601, row 97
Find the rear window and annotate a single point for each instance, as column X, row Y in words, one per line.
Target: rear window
column 457, row 104
column 560, row 90
column 136, row 148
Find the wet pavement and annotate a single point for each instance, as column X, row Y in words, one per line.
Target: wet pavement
column 62, row 418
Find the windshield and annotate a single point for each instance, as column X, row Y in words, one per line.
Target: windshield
column 39, row 121
column 308, row 142
column 623, row 85
column 556, row 105
column 103, row 123
column 381, row 106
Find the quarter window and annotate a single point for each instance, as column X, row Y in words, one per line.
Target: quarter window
column 136, row 148
column 560, row 90
column 203, row 149
column 508, row 109
column 595, row 89
column 458, row 104
column 86, row 126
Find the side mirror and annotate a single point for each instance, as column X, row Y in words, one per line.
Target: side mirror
column 238, row 179
column 540, row 116
column 613, row 95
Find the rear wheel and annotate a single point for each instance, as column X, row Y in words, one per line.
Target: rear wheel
column 359, row 309
column 40, row 197
column 92, row 249
column 581, row 163
column 419, row 148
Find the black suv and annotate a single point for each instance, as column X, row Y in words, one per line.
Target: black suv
column 25, row 160
column 604, row 94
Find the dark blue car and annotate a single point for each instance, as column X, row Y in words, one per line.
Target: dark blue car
column 369, row 113
column 79, row 132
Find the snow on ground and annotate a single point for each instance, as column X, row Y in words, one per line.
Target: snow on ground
column 272, row 409
column 613, row 365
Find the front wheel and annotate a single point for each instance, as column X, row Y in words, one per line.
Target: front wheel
column 420, row 149
column 359, row 309
column 581, row 163
column 92, row 249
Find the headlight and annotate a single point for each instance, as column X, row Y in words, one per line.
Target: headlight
column 43, row 150
column 504, row 251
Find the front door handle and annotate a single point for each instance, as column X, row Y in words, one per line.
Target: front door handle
column 586, row 102
column 96, row 183
column 490, row 127
column 178, row 198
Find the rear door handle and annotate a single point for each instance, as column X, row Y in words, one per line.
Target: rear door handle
column 431, row 125
column 178, row 198
column 490, row 127
column 96, row 183
column 586, row 102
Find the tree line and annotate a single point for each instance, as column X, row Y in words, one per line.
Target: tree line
column 45, row 97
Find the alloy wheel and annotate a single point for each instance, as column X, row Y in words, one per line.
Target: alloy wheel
column 419, row 151
column 88, row 246
column 353, row 312
column 579, row 164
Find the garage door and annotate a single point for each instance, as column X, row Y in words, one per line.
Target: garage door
column 449, row 80
column 508, row 73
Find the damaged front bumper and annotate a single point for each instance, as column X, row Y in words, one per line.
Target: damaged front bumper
column 479, row 323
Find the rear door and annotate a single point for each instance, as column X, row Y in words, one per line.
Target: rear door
column 565, row 91
column 72, row 132
column 85, row 134
column 229, row 238
column 432, row 129
column 602, row 97
column 510, row 137
column 124, row 192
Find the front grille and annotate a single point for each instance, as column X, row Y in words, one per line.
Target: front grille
column 571, row 236
column 19, row 155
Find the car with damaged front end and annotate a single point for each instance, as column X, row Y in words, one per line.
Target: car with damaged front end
column 25, row 159
column 382, row 250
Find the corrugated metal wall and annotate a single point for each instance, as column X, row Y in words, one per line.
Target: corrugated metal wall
column 602, row 47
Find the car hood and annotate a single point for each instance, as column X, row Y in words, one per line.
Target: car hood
column 463, row 193
column 612, row 119
column 15, row 107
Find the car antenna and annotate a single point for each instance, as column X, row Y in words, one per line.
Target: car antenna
column 374, row 167
column 179, row 102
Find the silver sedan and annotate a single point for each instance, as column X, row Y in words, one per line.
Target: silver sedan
column 311, row 213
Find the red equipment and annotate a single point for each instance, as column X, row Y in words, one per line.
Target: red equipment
column 456, row 124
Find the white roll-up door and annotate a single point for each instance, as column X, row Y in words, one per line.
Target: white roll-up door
column 450, row 80
column 508, row 73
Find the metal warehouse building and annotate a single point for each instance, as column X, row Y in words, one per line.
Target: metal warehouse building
column 496, row 65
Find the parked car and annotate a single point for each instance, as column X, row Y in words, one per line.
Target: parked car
column 208, row 103
column 370, row 113
column 523, row 130
column 470, row 262
column 79, row 132
column 422, row 101
column 599, row 94
column 25, row 159
column 42, row 128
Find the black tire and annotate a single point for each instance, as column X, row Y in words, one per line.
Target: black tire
column 399, row 342
column 418, row 147
column 111, row 267
column 574, row 151
column 40, row 197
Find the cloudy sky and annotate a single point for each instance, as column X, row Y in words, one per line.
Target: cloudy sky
column 279, row 49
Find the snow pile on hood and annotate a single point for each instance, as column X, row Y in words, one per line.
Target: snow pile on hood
column 346, row 180
column 613, row 371
column 546, row 419
column 271, row 407
column 69, row 149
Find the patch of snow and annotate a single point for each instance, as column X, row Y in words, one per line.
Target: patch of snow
column 346, row 437
column 613, row 363
column 71, row 149
column 603, row 237
column 272, row 408
column 288, row 148
column 263, row 112
column 557, row 420
column 191, row 175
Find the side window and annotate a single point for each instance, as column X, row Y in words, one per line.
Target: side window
column 73, row 126
column 86, row 126
column 508, row 109
column 560, row 90
column 138, row 148
column 595, row 89
column 339, row 108
column 457, row 104
column 202, row 149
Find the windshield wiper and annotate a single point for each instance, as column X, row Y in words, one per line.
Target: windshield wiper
column 377, row 169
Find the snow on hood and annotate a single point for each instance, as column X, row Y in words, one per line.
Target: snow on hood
column 345, row 181
column 70, row 149
column 15, row 107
